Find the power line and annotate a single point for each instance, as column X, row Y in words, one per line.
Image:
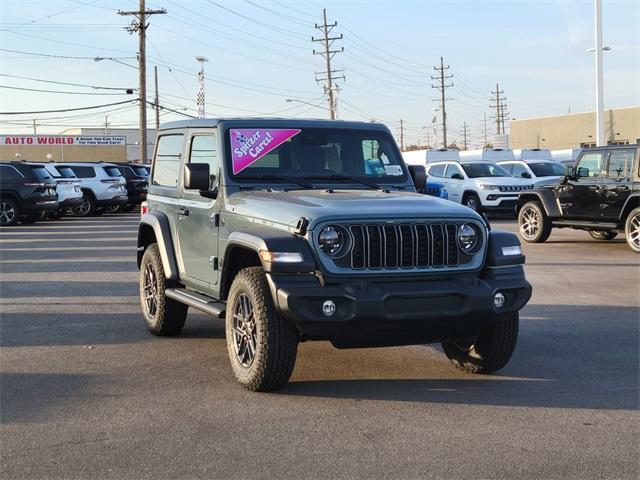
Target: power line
column 328, row 55
column 58, row 91
column 68, row 109
column 96, row 87
column 62, row 56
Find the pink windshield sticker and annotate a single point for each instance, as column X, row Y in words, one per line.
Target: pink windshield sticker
column 251, row 144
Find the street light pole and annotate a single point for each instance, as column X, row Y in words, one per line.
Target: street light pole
column 599, row 77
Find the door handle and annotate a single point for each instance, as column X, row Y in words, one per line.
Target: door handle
column 182, row 211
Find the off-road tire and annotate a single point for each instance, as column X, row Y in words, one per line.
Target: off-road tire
column 10, row 213
column 603, row 234
column 276, row 338
column 529, row 232
column 632, row 229
column 87, row 208
column 490, row 351
column 168, row 317
column 472, row 201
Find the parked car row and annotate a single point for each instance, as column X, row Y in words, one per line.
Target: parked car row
column 30, row 191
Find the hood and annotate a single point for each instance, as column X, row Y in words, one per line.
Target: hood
column 547, row 181
column 286, row 208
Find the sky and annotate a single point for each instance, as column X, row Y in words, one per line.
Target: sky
column 261, row 55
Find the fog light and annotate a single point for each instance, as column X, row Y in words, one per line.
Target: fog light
column 328, row 308
column 499, row 299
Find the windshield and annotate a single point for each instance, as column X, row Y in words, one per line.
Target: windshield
column 547, row 169
column 482, row 169
column 315, row 154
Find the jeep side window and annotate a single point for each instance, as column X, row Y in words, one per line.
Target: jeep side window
column 167, row 162
column 203, row 150
column 518, row 170
column 619, row 165
column 452, row 169
column 590, row 165
column 437, row 170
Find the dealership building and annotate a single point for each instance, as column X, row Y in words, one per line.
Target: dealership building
column 578, row 130
column 77, row 145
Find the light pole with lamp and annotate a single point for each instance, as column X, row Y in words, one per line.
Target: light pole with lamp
column 200, row 96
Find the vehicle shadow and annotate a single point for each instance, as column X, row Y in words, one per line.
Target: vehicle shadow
column 567, row 357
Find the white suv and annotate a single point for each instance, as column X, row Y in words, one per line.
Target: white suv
column 482, row 186
column 68, row 189
column 102, row 186
column 541, row 172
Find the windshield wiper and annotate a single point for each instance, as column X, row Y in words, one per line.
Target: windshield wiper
column 276, row 178
column 346, row 178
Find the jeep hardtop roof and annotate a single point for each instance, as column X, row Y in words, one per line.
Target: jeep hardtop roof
column 274, row 121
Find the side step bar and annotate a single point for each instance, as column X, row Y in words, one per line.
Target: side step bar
column 585, row 224
column 198, row 301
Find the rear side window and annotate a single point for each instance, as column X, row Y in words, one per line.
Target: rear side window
column 140, row 171
column 203, row 150
column 84, row 172
column 112, row 171
column 620, row 162
column 167, row 162
column 10, row 174
column 437, row 171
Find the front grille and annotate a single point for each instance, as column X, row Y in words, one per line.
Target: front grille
column 404, row 246
column 514, row 188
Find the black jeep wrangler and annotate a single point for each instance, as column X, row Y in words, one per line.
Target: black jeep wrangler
column 600, row 194
column 296, row 230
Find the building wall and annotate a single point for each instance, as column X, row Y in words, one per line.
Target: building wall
column 572, row 131
column 132, row 136
column 62, row 148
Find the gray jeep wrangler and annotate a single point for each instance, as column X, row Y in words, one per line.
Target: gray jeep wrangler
column 297, row 230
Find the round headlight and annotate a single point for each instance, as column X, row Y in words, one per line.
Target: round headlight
column 467, row 237
column 331, row 240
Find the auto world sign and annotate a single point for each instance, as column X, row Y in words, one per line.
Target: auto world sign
column 60, row 140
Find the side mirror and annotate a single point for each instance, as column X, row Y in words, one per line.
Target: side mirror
column 525, row 175
column 418, row 175
column 196, row 176
column 457, row 176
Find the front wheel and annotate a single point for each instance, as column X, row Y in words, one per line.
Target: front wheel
column 164, row 316
column 603, row 234
column 490, row 351
column 473, row 202
column 86, row 208
column 533, row 223
column 632, row 230
column 9, row 212
column 262, row 345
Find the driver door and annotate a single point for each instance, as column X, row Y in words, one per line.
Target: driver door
column 455, row 181
column 198, row 222
column 581, row 196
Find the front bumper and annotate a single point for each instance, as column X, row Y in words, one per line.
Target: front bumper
column 500, row 202
column 383, row 312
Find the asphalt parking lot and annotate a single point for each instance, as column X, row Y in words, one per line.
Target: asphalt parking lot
column 86, row 392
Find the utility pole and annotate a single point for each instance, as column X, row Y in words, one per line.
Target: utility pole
column 106, row 124
column 156, row 101
column 328, row 54
column 401, row 135
column 465, row 132
column 485, row 129
column 35, row 129
column 500, row 106
column 441, row 84
column 140, row 25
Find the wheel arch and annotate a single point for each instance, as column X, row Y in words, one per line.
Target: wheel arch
column 544, row 197
column 632, row 202
column 154, row 228
column 11, row 195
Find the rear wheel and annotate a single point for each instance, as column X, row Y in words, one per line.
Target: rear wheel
column 632, row 230
column 163, row 316
column 472, row 201
column 262, row 345
column 9, row 212
column 490, row 351
column 603, row 234
column 86, row 208
column 533, row 223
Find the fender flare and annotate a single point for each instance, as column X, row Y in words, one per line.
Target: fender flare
column 159, row 224
column 633, row 199
column 271, row 240
column 546, row 199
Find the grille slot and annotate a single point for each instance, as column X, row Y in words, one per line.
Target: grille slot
column 393, row 246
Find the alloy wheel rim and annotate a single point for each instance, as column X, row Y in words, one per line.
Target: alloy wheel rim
column 471, row 203
column 530, row 223
column 7, row 213
column 150, row 289
column 244, row 330
column 634, row 231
